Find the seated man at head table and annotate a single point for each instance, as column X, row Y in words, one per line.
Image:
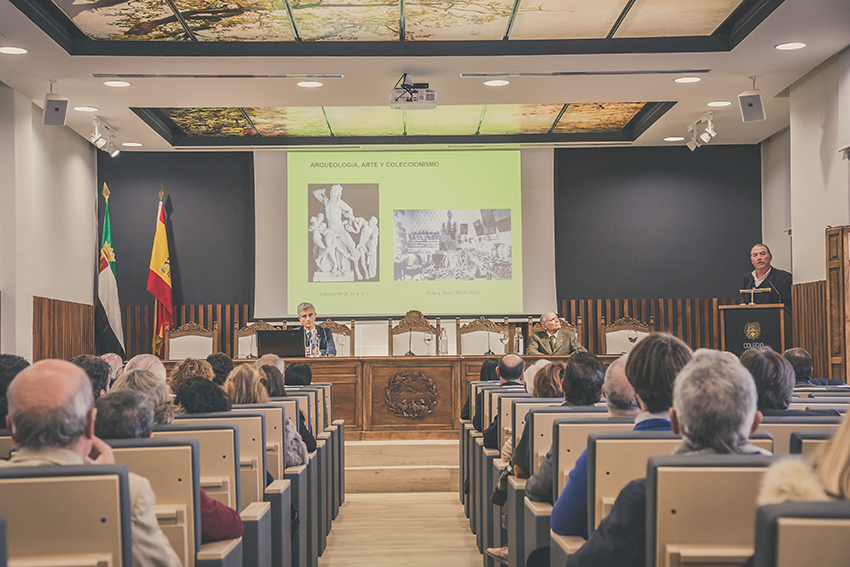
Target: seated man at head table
column 324, row 337
column 553, row 340
column 51, row 420
column 714, row 410
column 766, row 276
column 128, row 414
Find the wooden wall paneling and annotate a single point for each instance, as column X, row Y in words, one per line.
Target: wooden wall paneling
column 716, row 319
column 137, row 312
column 836, row 277
column 810, row 325
column 62, row 329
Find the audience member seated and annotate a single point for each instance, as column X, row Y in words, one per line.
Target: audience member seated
column 619, row 394
column 97, row 370
column 275, row 361
column 222, row 365
column 150, row 385
column 774, row 378
column 714, row 410
column 147, row 362
column 509, row 370
column 802, row 363
column 583, row 377
column 127, row 414
column 244, row 386
column 276, row 389
column 116, row 366
column 651, row 369
column 10, row 366
column 52, row 421
column 487, row 374
column 582, row 384
column 189, row 367
column 296, row 374
column 199, row 395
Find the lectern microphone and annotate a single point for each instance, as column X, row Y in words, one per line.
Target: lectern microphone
column 753, row 293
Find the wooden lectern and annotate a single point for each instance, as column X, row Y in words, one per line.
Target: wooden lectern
column 752, row 326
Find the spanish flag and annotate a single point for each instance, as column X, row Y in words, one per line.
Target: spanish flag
column 159, row 282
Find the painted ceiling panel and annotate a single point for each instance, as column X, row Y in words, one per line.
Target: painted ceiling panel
column 675, row 18
column 566, row 19
column 144, row 20
column 347, row 20
column 456, row 19
column 365, row 121
column 215, row 122
column 291, row 121
column 597, row 117
column 222, row 20
column 519, row 118
column 460, row 120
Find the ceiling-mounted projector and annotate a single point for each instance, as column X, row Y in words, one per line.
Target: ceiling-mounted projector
column 407, row 95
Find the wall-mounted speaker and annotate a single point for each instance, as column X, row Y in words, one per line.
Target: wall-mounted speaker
column 55, row 109
column 751, row 107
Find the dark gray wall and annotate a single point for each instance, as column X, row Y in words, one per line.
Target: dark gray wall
column 633, row 223
column 209, row 203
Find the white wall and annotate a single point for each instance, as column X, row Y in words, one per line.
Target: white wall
column 776, row 197
column 48, row 217
column 820, row 183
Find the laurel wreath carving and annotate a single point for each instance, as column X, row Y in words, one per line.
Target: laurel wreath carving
column 260, row 325
column 191, row 328
column 337, row 328
column 482, row 324
column 627, row 324
column 411, row 394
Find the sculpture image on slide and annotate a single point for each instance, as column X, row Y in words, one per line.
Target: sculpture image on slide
column 452, row 245
column 336, row 255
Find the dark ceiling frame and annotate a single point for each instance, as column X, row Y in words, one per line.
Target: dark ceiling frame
column 171, row 133
column 46, row 15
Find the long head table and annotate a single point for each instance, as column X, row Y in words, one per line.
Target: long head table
column 400, row 397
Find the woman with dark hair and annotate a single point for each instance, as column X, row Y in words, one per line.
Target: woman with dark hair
column 298, row 374
column 488, row 374
column 199, row 395
column 273, row 382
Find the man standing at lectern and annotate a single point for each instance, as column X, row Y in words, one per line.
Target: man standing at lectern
column 325, row 338
column 553, row 340
column 765, row 276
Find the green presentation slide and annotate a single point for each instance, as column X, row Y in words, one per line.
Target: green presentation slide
column 379, row 233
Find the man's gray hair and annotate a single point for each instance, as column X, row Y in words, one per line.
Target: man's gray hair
column 615, row 397
column 304, row 307
column 125, row 414
column 715, row 401
column 149, row 362
column 59, row 428
column 543, row 315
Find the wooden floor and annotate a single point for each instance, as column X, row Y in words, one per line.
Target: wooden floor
column 424, row 529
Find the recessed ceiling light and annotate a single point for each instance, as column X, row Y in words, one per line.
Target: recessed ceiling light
column 86, row 109
column 116, row 83
column 13, row 50
column 132, row 144
column 790, row 46
column 310, row 84
column 497, row 83
column 674, row 139
column 719, row 103
column 687, row 80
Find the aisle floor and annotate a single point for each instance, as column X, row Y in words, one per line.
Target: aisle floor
column 422, row 529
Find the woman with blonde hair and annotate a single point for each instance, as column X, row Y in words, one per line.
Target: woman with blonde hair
column 547, row 382
column 187, row 368
column 244, row 385
column 149, row 384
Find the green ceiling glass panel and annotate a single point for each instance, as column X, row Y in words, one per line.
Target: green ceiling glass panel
column 519, row 118
column 456, row 19
column 143, row 20
column 674, row 18
column 460, row 120
column 566, row 19
column 215, row 122
column 347, row 20
column 292, row 121
column 365, row 121
column 597, row 117
column 224, row 20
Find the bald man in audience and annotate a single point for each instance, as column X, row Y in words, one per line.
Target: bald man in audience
column 650, row 369
column 618, row 392
column 116, row 365
column 51, row 419
column 714, row 410
column 553, row 340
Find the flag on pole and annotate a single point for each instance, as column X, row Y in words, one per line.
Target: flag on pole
column 109, row 331
column 159, row 281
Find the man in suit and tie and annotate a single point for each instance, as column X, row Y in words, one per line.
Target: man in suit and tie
column 325, row 339
column 553, row 340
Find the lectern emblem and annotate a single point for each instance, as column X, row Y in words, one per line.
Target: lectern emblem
column 411, row 394
column 752, row 330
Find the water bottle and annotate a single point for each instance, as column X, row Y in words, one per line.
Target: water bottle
column 518, row 341
column 444, row 342
column 314, row 344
